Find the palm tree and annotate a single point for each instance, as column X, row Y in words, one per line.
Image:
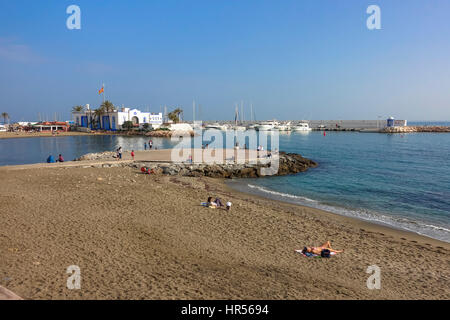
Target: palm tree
column 78, row 109
column 5, row 116
column 98, row 115
column 175, row 115
column 108, row 107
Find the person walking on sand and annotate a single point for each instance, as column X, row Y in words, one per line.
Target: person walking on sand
column 150, row 144
column 132, row 154
column 119, row 153
column 145, row 145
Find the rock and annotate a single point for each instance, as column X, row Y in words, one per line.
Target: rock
column 97, row 156
column 289, row 163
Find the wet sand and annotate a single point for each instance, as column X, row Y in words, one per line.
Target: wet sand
column 137, row 236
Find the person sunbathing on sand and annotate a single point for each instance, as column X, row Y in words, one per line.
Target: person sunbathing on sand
column 216, row 203
column 318, row 250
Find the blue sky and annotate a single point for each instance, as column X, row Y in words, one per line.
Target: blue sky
column 292, row 59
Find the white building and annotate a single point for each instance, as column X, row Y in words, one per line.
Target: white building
column 115, row 120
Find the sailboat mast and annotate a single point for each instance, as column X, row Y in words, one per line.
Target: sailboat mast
column 242, row 111
column 193, row 112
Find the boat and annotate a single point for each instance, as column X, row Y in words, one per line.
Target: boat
column 267, row 125
column 284, row 127
column 302, row 126
column 216, row 126
column 238, row 128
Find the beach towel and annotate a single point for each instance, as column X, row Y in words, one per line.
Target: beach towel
column 205, row 204
column 312, row 255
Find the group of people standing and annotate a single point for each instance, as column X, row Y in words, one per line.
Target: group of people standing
column 119, row 152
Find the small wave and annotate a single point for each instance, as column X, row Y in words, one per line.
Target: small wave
column 286, row 195
column 437, row 228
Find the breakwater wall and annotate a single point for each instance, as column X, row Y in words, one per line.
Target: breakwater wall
column 278, row 164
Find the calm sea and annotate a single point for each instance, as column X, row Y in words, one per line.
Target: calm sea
column 398, row 180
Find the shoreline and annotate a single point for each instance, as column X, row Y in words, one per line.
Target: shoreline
column 138, row 236
column 149, row 134
column 18, row 135
column 372, row 225
column 350, row 212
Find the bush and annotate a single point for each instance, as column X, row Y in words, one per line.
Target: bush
column 127, row 125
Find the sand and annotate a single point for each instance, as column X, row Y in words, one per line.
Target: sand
column 137, row 236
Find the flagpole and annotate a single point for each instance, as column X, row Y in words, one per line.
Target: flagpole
column 103, row 92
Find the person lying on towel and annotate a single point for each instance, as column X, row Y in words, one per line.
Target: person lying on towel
column 216, row 203
column 325, row 248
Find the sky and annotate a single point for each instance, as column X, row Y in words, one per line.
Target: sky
column 297, row 59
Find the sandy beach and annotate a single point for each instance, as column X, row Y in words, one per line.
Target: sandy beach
column 138, row 236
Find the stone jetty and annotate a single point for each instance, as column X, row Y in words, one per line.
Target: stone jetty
column 413, row 129
column 277, row 164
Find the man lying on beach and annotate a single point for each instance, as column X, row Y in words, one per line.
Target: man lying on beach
column 318, row 250
column 215, row 203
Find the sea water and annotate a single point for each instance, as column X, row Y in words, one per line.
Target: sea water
column 36, row 150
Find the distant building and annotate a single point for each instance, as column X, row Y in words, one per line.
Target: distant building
column 25, row 123
column 391, row 122
column 115, row 120
column 50, row 126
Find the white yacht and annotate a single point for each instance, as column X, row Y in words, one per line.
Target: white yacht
column 238, row 128
column 284, row 127
column 216, row 126
column 302, row 126
column 267, row 125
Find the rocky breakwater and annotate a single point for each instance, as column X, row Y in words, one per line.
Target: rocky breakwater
column 107, row 155
column 168, row 134
column 278, row 165
column 411, row 129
